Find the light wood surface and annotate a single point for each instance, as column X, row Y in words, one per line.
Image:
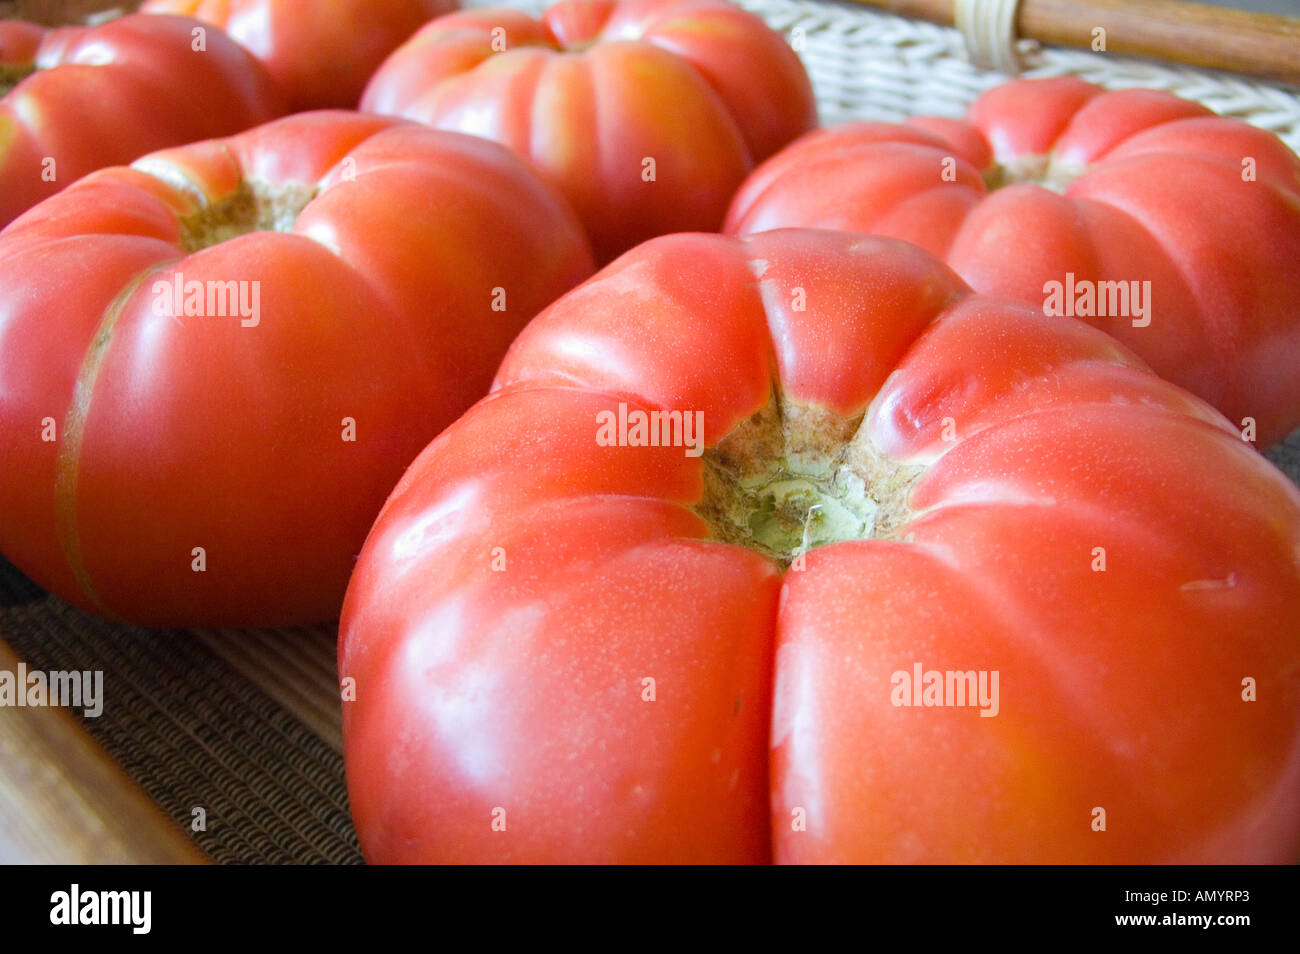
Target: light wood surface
column 64, row 801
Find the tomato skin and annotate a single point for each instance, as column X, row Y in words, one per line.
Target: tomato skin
column 202, row 431
column 107, row 95
column 594, row 89
column 1155, row 190
column 322, row 58
column 506, row 695
column 19, row 41
column 523, row 579
column 1101, row 695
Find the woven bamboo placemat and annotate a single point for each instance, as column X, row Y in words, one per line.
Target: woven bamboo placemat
column 245, row 724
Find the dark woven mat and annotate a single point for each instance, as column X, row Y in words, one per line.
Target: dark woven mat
column 1287, row 457
column 196, row 731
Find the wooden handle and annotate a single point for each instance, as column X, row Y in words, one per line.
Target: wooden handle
column 1254, row 44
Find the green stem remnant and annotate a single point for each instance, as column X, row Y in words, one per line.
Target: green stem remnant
column 791, row 478
column 1045, row 171
column 253, row 207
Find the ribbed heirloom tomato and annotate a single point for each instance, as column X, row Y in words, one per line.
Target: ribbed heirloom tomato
column 944, row 580
column 322, row 54
column 81, row 98
column 646, row 113
column 1173, row 229
column 214, row 364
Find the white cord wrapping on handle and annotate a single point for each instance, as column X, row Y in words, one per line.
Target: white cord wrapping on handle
column 989, row 30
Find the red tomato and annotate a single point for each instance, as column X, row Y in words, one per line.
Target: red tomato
column 1052, row 188
column 19, row 41
column 322, row 54
column 647, row 113
column 96, row 97
column 571, row 646
column 215, row 364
